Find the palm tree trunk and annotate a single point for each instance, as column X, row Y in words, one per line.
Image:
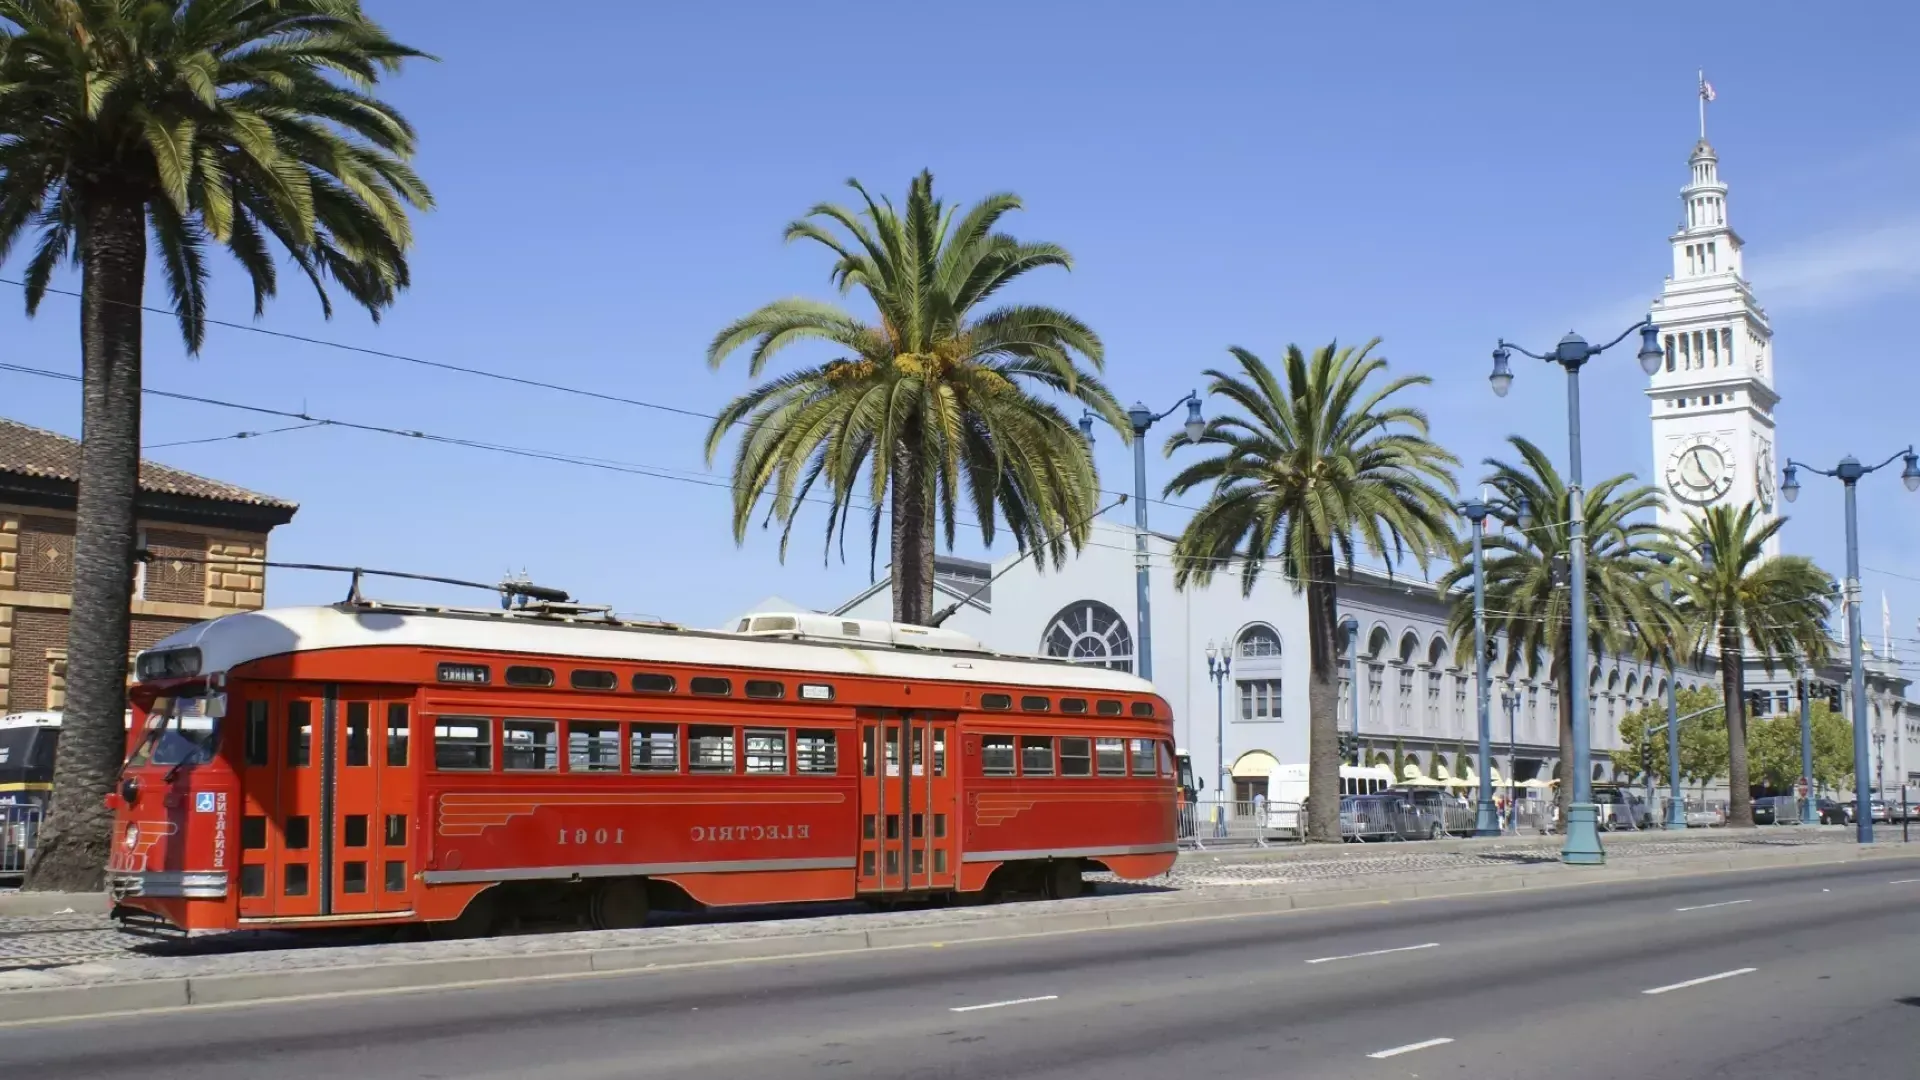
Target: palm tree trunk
column 912, row 510
column 1733, row 685
column 72, row 854
column 1323, row 702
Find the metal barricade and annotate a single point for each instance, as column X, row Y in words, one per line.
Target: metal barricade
column 1214, row 822
column 19, row 830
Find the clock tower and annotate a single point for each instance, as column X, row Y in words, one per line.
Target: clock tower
column 1713, row 396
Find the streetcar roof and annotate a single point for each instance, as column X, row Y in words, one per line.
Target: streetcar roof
column 232, row 640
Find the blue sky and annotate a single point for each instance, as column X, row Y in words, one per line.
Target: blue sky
column 612, row 188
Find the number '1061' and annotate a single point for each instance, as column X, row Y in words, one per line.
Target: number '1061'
column 596, row 836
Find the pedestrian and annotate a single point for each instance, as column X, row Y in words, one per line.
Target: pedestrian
column 1260, row 810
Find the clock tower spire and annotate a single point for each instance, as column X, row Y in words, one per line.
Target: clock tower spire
column 1712, row 398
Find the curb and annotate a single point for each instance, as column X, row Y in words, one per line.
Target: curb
column 242, row 988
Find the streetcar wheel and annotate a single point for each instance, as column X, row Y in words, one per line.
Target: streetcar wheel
column 1064, row 881
column 620, row 904
column 478, row 920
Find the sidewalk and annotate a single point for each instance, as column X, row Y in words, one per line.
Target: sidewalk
column 38, row 981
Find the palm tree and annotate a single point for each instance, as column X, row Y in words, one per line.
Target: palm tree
column 1527, row 598
column 1740, row 602
column 1322, row 463
column 204, row 122
column 930, row 400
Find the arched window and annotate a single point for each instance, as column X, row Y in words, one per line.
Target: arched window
column 1089, row 632
column 1259, row 642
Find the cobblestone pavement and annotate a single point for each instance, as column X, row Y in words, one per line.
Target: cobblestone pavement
column 68, row 945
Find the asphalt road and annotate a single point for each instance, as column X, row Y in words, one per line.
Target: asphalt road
column 1793, row 973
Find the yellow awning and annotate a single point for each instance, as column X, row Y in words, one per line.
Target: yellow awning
column 1254, row 763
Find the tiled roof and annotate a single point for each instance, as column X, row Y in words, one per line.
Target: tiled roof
column 32, row 451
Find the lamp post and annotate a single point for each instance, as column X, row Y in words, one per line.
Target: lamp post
column 1676, row 806
column 1140, row 418
column 1510, row 701
column 1880, row 762
column 1476, row 511
column 1848, row 472
column 1219, row 662
column 1809, row 815
column 1582, row 846
column 1352, row 627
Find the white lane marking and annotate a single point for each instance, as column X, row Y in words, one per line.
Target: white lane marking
column 1375, row 952
column 1382, row 1055
column 1703, row 907
column 1004, row 1004
column 1906, row 881
column 1702, row 979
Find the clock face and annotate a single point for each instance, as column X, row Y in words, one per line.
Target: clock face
column 1763, row 480
column 1700, row 471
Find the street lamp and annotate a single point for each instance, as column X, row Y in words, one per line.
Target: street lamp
column 1848, row 472
column 1476, row 511
column 1676, row 807
column 1809, row 815
column 1140, row 418
column 1880, row 762
column 1582, row 846
column 1219, row 662
column 1510, row 701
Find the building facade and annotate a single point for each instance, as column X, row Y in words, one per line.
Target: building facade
column 206, row 540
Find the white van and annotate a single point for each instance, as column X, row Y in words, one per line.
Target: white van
column 1287, row 790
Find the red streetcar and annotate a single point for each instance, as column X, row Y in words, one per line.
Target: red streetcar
column 372, row 763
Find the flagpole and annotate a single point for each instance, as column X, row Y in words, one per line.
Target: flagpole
column 1700, row 91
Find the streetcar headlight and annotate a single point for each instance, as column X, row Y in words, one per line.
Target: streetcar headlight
column 133, row 835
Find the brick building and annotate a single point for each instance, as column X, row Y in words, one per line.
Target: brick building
column 206, row 538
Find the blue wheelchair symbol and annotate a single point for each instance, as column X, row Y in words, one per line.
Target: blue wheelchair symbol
column 203, row 802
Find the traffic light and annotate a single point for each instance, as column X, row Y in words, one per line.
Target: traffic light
column 1348, row 747
column 1560, row 570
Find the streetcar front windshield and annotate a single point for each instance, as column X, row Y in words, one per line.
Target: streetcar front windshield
column 179, row 732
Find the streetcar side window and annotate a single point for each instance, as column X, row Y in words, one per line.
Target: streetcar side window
column 586, row 679
column 1108, row 707
column 996, row 701
column 1166, row 761
column 1076, row 756
column 709, row 749
column 1143, row 709
column 530, row 745
column 654, row 748
column 1112, row 756
column 399, row 728
column 1142, row 755
column 593, row 746
column 996, row 755
column 463, row 743
column 1036, row 755
column 766, row 751
column 816, row 752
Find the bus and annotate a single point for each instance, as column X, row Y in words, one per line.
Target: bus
column 1287, row 791
column 375, row 763
column 27, row 744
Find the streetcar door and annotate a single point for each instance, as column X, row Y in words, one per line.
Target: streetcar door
column 371, row 857
column 281, row 800
column 906, row 801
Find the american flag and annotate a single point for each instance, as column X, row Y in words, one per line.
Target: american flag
column 1706, row 90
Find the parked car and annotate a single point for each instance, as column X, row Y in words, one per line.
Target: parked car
column 1881, row 814
column 1620, row 808
column 1776, row 810
column 1705, row 817
column 1441, row 811
column 1835, row 813
column 1385, row 816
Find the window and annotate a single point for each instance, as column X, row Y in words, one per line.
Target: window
column 706, row 684
column 396, row 877
column 355, row 831
column 530, row 745
column 299, row 734
column 1259, row 643
column 1036, row 755
column 296, row 879
column 1142, row 755
column 399, row 735
column 1109, row 708
column 1166, row 761
column 257, row 722
column 353, row 876
column 1076, row 756
column 654, row 747
column 1073, row 704
column 1089, row 632
column 253, row 879
column 709, row 749
column 593, row 680
column 298, row 833
column 1035, row 703
column 396, row 830
column 940, row 751
column 996, row 755
column 648, row 682
column 1143, row 709
column 815, row 752
column 253, row 832
column 766, row 750
column 768, row 689
column 996, row 701
column 522, row 675
column 1259, row 700
column 593, row 746
column 463, row 742
column 1111, row 754
column 359, row 733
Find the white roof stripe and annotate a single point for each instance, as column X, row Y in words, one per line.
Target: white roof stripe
column 232, row 640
